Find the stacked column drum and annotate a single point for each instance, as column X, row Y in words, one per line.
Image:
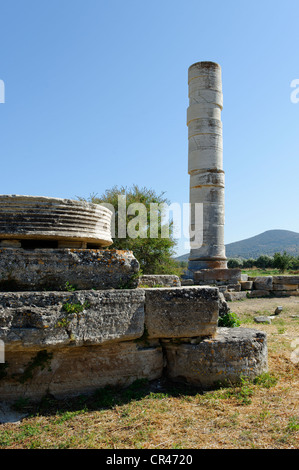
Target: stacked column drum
column 205, row 165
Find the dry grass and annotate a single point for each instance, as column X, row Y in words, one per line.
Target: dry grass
column 159, row 415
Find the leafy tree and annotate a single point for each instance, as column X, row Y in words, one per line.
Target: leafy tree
column 235, row 263
column 282, row 261
column 154, row 253
column 249, row 263
column 264, row 262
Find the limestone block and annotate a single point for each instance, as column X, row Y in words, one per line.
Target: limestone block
column 244, row 277
column 262, row 319
column 286, row 280
column 70, row 371
column 161, row 280
column 231, row 354
column 285, row 287
column 187, row 282
column 223, row 305
column 51, row 269
column 55, row 319
column 258, row 293
column 181, row 312
column 232, row 287
column 44, row 218
column 233, row 275
column 246, row 285
column 286, row 293
column 263, row 283
column 233, row 296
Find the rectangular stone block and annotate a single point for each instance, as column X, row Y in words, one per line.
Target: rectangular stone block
column 161, row 280
column 41, row 319
column 286, row 280
column 232, row 296
column 181, row 312
column 70, row 371
column 246, row 285
column 233, row 287
column 285, row 287
column 232, row 275
column 258, row 293
column 53, row 269
column 286, row 293
column 263, row 283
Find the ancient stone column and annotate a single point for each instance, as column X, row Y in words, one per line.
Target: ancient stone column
column 205, row 165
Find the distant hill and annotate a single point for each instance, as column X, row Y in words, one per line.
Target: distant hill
column 266, row 243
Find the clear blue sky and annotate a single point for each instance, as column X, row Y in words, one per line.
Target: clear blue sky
column 96, row 95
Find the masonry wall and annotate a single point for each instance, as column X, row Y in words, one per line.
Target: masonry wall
column 69, row 343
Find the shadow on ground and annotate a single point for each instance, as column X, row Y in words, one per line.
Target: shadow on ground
column 105, row 398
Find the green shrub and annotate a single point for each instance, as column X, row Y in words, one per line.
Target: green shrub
column 235, row 263
column 229, row 320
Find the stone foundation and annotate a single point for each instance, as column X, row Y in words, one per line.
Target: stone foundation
column 267, row 286
column 159, row 280
column 52, row 269
column 73, row 371
column 231, row 354
column 69, row 343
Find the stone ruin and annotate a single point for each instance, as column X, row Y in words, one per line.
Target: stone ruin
column 108, row 331
column 207, row 260
column 74, row 316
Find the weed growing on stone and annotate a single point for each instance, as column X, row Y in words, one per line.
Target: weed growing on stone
column 229, row 320
column 75, row 307
column 68, row 287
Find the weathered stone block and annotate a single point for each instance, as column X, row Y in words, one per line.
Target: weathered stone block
column 231, row 354
column 285, row 287
column 258, row 293
column 232, row 275
column 233, row 287
column 187, row 282
column 246, row 285
column 51, row 269
column 161, row 280
column 263, row 283
column 286, row 293
column 181, row 312
column 232, row 296
column 47, row 218
column 262, row 319
column 42, row 319
column 71, row 371
column 286, row 280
